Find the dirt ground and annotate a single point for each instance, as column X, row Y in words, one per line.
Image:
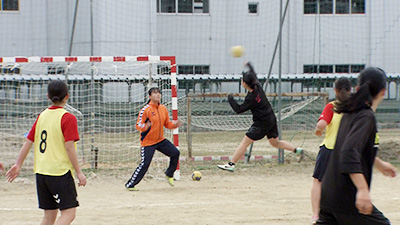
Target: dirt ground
column 261, row 193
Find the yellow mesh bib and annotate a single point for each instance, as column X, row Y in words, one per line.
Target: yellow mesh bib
column 51, row 156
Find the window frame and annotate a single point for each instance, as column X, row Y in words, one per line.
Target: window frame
column 343, row 3
column 311, row 4
column 325, row 3
column 313, row 7
column 316, row 68
column 352, row 2
column 205, row 7
column 9, row 10
column 194, row 68
column 256, row 4
column 356, row 68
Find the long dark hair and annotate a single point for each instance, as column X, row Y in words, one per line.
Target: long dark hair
column 370, row 82
column 250, row 77
column 57, row 90
column 343, row 87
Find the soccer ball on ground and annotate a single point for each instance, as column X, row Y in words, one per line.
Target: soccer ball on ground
column 196, row 175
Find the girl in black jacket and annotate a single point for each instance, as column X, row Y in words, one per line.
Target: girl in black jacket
column 264, row 120
column 345, row 194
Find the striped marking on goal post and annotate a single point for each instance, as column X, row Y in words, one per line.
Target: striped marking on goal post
column 174, row 94
column 227, row 158
column 46, row 59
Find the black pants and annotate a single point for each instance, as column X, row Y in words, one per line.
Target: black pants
column 146, row 153
column 376, row 218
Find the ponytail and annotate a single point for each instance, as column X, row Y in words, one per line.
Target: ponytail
column 250, row 77
column 343, row 88
column 57, row 90
column 371, row 82
column 55, row 99
column 362, row 99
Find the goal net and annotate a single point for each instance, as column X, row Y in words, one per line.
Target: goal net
column 106, row 95
column 211, row 113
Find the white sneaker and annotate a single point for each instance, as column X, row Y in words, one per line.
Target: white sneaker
column 299, row 154
column 314, row 220
column 228, row 167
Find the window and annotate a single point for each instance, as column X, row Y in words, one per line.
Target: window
column 9, row 5
column 357, row 68
column 357, row 6
column 55, row 70
column 10, row 70
column 185, row 6
column 334, row 6
column 310, row 69
column 163, row 70
column 166, row 6
column 253, row 7
column 194, row 69
column 310, row 7
column 342, row 68
column 342, row 7
column 182, row 6
column 200, row 6
column 202, row 69
column 325, row 6
column 326, row 69
column 185, row 70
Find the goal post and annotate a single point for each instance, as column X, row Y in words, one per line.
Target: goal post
column 106, row 95
column 211, row 112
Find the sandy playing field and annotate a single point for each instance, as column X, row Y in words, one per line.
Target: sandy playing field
column 258, row 194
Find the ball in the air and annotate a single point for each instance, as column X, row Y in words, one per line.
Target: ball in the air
column 237, row 51
column 196, row 176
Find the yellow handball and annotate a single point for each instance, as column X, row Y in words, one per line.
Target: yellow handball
column 196, row 176
column 237, row 51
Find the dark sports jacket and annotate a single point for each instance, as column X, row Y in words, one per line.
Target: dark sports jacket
column 258, row 104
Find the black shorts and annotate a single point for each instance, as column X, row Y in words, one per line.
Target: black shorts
column 56, row 192
column 376, row 218
column 259, row 132
column 321, row 165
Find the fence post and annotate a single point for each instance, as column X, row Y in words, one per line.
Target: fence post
column 189, row 129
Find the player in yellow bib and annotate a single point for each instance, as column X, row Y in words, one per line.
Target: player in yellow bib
column 54, row 135
column 330, row 122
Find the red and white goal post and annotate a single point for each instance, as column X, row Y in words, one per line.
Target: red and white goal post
column 106, row 90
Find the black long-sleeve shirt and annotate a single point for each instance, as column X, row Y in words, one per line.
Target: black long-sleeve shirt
column 257, row 102
column 354, row 152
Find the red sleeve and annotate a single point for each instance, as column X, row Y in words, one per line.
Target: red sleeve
column 69, row 127
column 327, row 113
column 31, row 135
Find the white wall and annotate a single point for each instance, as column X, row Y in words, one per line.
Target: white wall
column 134, row 28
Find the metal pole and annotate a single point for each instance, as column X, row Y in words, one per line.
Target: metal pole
column 73, row 28
column 189, row 128
column 91, row 27
column 92, row 91
column 281, row 152
column 278, row 39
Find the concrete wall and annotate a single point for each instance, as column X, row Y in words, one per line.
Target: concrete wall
column 43, row 27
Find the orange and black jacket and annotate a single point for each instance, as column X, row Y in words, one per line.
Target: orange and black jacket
column 158, row 116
